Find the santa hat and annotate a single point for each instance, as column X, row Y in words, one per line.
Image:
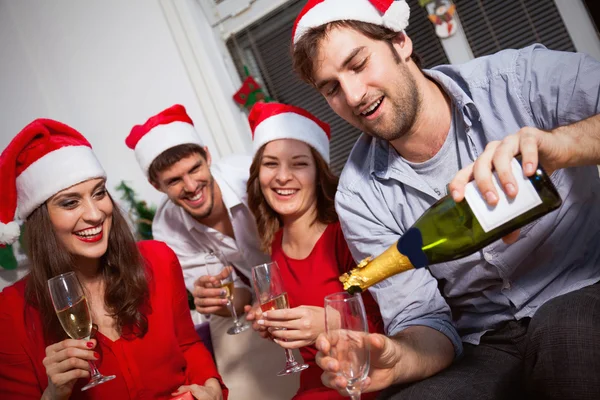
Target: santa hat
column 43, row 159
column 169, row 128
column 272, row 121
column 392, row 14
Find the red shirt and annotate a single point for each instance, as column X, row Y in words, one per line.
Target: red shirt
column 307, row 282
column 152, row 367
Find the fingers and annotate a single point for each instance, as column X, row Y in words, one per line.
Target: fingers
column 322, row 344
column 70, row 343
column 511, row 237
column 197, row 391
column 209, row 306
column 61, row 379
column 529, row 138
column 457, row 186
column 284, row 314
column 291, row 339
column 208, row 300
column 207, row 281
column 502, row 161
column 482, row 173
column 224, row 273
column 334, row 381
column 294, row 324
column 68, row 360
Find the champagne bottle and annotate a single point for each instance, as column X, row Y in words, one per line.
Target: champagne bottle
column 448, row 230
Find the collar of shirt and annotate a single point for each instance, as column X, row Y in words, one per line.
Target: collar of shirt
column 387, row 164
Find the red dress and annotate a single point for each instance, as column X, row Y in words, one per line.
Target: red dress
column 307, row 282
column 152, row 367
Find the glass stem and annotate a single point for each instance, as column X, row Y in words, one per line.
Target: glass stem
column 95, row 372
column 289, row 357
column 354, row 392
column 231, row 307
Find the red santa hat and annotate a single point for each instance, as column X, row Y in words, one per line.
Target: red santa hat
column 44, row 158
column 272, row 121
column 169, row 128
column 392, row 14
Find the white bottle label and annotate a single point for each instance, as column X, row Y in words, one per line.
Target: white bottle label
column 491, row 217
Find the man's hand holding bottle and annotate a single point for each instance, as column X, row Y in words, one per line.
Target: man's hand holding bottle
column 559, row 148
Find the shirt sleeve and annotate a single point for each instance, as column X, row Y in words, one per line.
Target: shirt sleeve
column 407, row 299
column 559, row 88
column 18, row 379
column 200, row 364
column 190, row 255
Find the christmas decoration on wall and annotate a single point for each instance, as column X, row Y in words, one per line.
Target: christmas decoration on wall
column 139, row 212
column 441, row 14
column 7, row 258
column 250, row 92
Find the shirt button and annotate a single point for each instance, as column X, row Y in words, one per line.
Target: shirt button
column 488, row 256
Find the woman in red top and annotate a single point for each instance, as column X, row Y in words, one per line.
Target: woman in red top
column 291, row 191
column 145, row 335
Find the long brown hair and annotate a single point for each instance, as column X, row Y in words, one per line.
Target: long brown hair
column 122, row 268
column 268, row 222
column 304, row 51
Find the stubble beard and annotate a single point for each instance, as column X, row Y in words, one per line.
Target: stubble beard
column 210, row 204
column 404, row 109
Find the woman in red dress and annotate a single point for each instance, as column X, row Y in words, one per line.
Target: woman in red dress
column 291, row 193
column 145, row 335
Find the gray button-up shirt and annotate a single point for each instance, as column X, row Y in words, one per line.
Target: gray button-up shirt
column 380, row 197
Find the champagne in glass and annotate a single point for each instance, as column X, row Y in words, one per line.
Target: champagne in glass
column 74, row 315
column 277, row 303
column 271, row 295
column 347, row 329
column 215, row 264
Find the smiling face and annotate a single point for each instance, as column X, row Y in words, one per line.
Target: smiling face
column 82, row 218
column 189, row 184
column 287, row 178
column 368, row 83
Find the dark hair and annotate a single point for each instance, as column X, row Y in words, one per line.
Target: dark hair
column 268, row 222
column 122, row 267
column 304, row 52
column 170, row 156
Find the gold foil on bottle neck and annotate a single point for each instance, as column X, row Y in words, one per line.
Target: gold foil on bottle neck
column 371, row 271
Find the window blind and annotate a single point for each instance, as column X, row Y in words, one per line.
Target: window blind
column 264, row 48
column 492, row 25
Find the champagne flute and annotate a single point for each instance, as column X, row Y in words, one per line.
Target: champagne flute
column 215, row 263
column 347, row 329
column 74, row 315
column 271, row 295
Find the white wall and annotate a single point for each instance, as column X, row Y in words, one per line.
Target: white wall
column 100, row 66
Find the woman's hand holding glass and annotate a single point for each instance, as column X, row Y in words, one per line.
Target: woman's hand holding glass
column 271, row 294
column 253, row 315
column 293, row 328
column 65, row 363
column 74, row 315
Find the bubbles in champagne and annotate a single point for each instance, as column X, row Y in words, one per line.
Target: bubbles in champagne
column 76, row 320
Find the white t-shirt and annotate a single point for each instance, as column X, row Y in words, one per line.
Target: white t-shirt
column 191, row 240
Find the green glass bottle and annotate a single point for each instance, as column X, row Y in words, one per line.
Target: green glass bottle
column 448, row 230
